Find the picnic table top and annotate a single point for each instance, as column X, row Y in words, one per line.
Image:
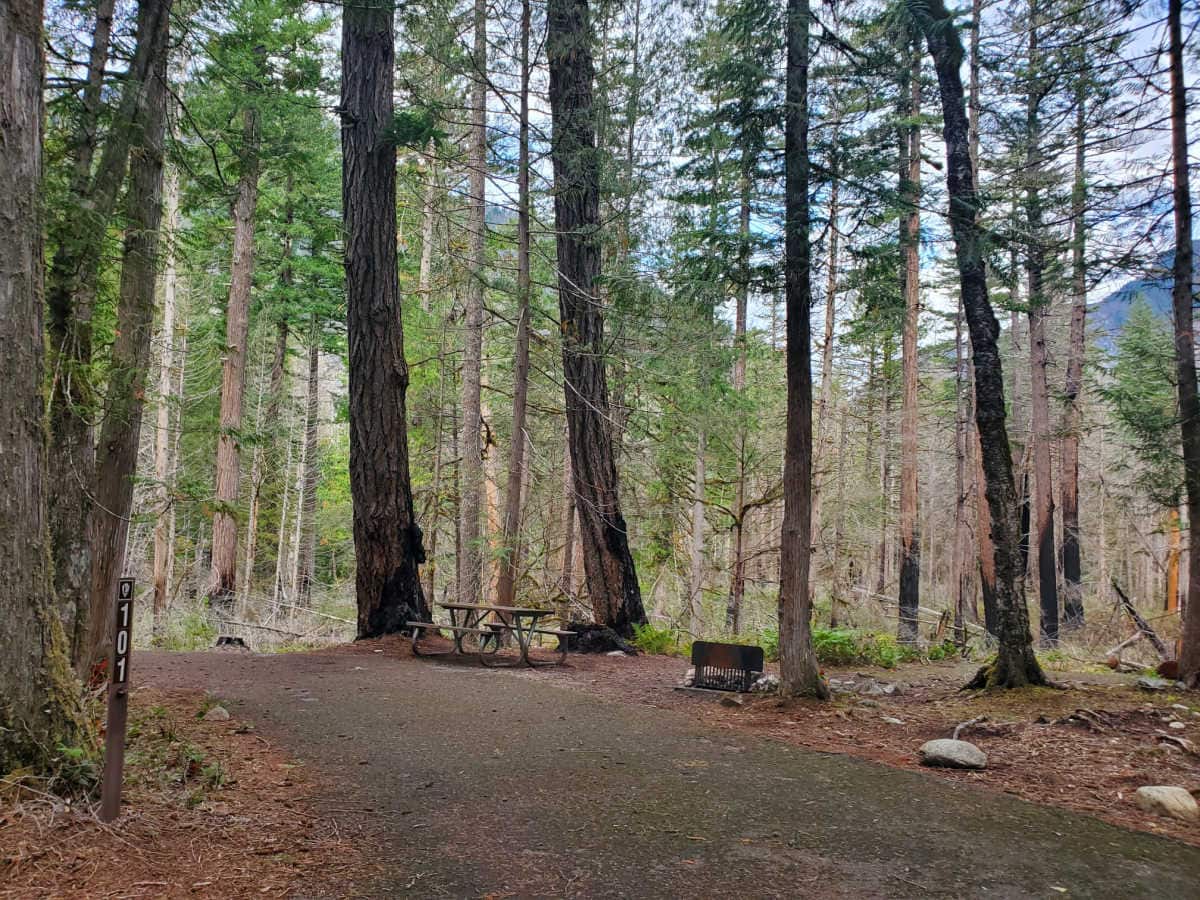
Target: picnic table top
column 515, row 610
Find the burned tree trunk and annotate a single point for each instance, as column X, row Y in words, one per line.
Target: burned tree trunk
column 612, row 582
column 387, row 541
column 1015, row 664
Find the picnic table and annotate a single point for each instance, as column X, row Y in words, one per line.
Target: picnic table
column 467, row 621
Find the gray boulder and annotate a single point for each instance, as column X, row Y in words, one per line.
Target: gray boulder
column 951, row 754
column 1164, row 800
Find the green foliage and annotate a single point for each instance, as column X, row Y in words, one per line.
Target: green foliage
column 194, row 630
column 1143, row 398
column 660, row 641
column 847, row 647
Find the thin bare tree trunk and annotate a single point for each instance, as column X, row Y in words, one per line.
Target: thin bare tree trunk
column 1185, row 342
column 737, row 581
column 1039, row 387
column 120, row 432
column 824, row 443
column 696, row 568
column 910, row 241
column 470, row 563
column 885, row 472
column 798, row 671
column 306, row 557
column 567, row 580
column 1072, row 566
column 164, row 545
column 429, row 209
column 1015, row 664
column 435, row 506
column 233, row 379
column 962, row 437
column 506, row 589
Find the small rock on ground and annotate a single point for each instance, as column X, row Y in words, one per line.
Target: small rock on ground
column 1165, row 800
column 952, row 754
column 217, row 714
column 892, row 720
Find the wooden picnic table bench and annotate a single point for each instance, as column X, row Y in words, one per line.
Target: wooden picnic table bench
column 467, row 619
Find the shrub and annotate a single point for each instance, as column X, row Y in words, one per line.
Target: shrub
column 659, row 641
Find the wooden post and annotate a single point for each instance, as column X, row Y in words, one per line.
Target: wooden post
column 118, row 703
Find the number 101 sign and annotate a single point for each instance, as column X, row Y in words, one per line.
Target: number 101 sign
column 120, row 670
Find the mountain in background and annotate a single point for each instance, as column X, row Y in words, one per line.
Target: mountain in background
column 1108, row 316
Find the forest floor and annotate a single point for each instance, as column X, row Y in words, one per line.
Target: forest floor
column 600, row 780
column 211, row 809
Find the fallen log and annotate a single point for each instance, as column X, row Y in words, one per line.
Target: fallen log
column 1141, row 624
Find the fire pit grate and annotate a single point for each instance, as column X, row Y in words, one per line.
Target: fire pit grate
column 726, row 667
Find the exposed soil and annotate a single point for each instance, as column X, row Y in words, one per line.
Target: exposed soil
column 581, row 782
column 211, row 809
column 1085, row 748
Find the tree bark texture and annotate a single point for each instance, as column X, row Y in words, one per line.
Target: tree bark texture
column 1015, row 663
column 1185, row 342
column 387, row 541
column 223, row 583
column 910, row 243
column 1035, row 266
column 1072, row 414
column 164, row 549
column 470, row 562
column 306, row 557
column 506, row 588
column 120, row 433
column 78, row 235
column 39, row 708
column 612, row 581
column 798, row 671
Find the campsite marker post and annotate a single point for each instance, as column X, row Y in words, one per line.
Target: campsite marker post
column 118, row 703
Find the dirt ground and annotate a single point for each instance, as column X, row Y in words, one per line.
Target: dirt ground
column 359, row 771
column 1087, row 747
column 211, row 809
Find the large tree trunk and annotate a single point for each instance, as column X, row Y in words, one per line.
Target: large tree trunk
column 223, row 583
column 506, row 588
column 40, row 708
column 306, row 556
column 387, row 541
column 1185, row 345
column 910, row 243
column 1072, row 568
column 120, row 433
column 798, row 671
column 79, row 233
column 164, row 538
column 612, row 581
column 470, row 562
column 1015, row 664
column 1038, row 308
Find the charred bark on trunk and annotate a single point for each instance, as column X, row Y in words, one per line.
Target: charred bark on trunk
column 387, row 541
column 612, row 581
